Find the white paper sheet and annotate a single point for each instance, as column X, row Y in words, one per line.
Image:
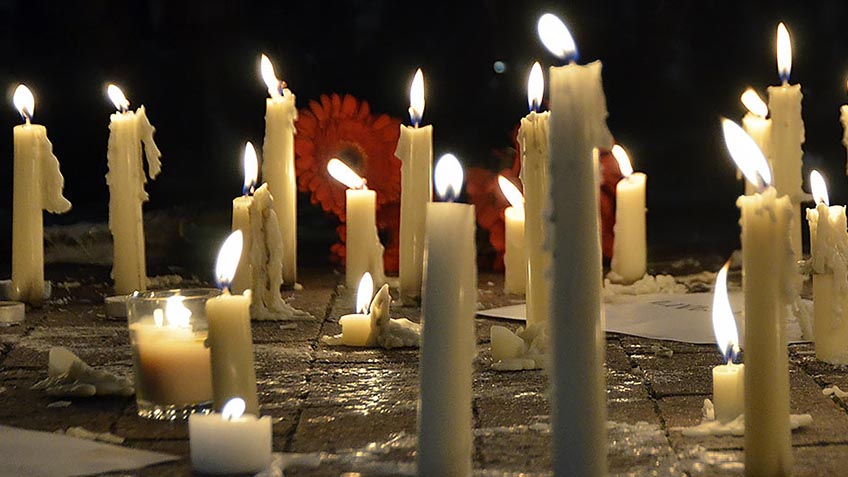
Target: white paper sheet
column 676, row 317
column 27, row 453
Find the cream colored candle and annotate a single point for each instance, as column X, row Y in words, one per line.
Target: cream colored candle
column 415, row 151
column 533, row 139
column 363, row 250
column 241, row 219
column 787, row 134
column 577, row 129
column 757, row 125
column 356, row 328
column 515, row 257
column 230, row 442
column 230, row 339
column 449, row 301
column 278, row 164
column 729, row 379
column 629, row 251
column 37, row 186
column 829, row 263
column 768, row 281
column 126, row 179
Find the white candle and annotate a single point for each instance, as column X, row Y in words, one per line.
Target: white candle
column 515, row 258
column 126, row 179
column 230, row 339
column 278, row 165
column 757, row 126
column 241, row 219
column 449, row 301
column 577, row 129
column 230, row 442
column 356, row 327
column 787, row 134
column 533, row 138
column 729, row 379
column 768, row 278
column 363, row 250
column 629, row 251
column 828, row 250
column 415, row 150
column 37, row 186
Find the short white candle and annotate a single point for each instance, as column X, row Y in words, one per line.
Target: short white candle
column 515, row 258
column 629, row 251
column 757, row 125
column 728, row 379
column 37, row 187
column 278, row 165
column 357, row 329
column 126, row 179
column 363, row 250
column 415, row 151
column 241, row 219
column 230, row 442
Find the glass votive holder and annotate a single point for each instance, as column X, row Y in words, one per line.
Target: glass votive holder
column 171, row 363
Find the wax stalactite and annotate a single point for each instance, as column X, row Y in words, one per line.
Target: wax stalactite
column 577, row 129
column 757, row 124
column 278, row 165
column 728, row 379
column 415, row 150
column 769, row 282
column 230, row 442
column 37, row 186
column 126, row 179
column 629, row 258
column 515, row 258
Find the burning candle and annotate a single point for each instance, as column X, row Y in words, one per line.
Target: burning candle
column 37, row 186
column 729, row 379
column 415, row 150
column 533, row 138
column 577, row 129
column 364, row 252
column 449, row 301
column 515, row 258
column 756, row 125
column 629, row 256
column 828, row 250
column 241, row 219
column 356, row 328
column 230, row 340
column 768, row 272
column 278, row 165
column 126, row 179
column 230, row 442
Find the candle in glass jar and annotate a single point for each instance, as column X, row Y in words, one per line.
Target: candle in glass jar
column 229, row 442
column 629, row 252
column 515, row 257
column 728, row 379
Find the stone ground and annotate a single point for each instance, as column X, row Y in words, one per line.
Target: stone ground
column 340, row 411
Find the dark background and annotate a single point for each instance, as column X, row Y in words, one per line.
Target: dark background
column 671, row 68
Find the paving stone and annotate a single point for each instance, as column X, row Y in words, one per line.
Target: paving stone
column 366, row 389
column 286, row 331
column 681, row 374
column 330, row 429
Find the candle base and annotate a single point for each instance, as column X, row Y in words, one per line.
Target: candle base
column 11, row 313
column 7, row 292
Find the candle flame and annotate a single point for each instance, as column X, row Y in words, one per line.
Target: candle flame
column 535, row 87
column 228, row 259
column 364, row 293
column 511, row 192
column 344, row 174
column 234, row 409
column 416, row 98
column 176, row 313
column 24, row 101
column 746, row 154
column 819, row 188
column 556, row 37
column 251, row 168
column 269, row 76
column 724, row 324
column 784, row 52
column 754, row 103
column 118, row 99
column 448, row 177
column 623, row 160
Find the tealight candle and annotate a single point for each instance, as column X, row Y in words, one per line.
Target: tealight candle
column 629, row 256
column 515, row 258
column 230, row 442
column 729, row 379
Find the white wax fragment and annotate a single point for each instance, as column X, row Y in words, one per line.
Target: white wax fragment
column 68, row 375
column 60, row 360
column 505, row 344
column 835, row 391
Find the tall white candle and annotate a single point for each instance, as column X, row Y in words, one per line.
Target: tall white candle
column 629, row 251
column 241, row 219
column 768, row 280
column 533, row 139
column 757, row 125
column 126, row 179
column 829, row 263
column 230, row 340
column 449, row 299
column 415, row 151
column 278, row 163
column 515, row 258
column 37, row 186
column 787, row 134
column 364, row 252
column 728, row 379
column 577, row 129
